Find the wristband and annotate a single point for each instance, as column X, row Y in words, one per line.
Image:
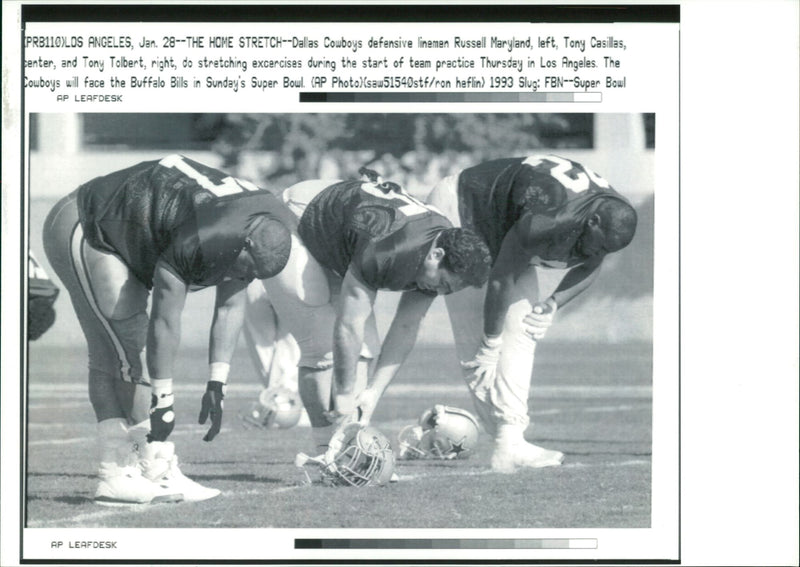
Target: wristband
column 492, row 342
column 218, row 371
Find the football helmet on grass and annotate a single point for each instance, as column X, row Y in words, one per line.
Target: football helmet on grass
column 356, row 456
column 443, row 432
column 276, row 408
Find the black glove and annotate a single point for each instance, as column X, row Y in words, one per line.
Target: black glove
column 212, row 405
column 162, row 420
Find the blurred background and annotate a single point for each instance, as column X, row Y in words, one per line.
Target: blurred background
column 415, row 150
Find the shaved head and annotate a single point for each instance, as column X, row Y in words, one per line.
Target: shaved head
column 270, row 246
column 618, row 221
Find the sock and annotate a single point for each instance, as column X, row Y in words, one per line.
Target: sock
column 138, row 436
column 140, row 412
column 112, row 437
column 509, row 434
column 147, row 451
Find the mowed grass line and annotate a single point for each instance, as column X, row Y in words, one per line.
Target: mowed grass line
column 605, row 481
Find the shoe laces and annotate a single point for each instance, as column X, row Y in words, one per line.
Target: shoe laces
column 174, row 469
column 157, row 468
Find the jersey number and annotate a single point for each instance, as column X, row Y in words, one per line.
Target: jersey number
column 412, row 206
column 577, row 180
column 220, row 187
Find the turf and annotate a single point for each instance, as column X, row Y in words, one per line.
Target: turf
column 591, row 401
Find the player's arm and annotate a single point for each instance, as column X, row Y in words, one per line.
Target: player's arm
column 396, row 347
column 348, row 334
column 225, row 327
column 511, row 261
column 577, row 280
column 227, row 322
column 164, row 332
column 163, row 338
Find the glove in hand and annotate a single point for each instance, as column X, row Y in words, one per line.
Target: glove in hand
column 484, row 366
column 162, row 419
column 211, row 405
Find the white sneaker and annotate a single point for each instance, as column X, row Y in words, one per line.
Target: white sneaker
column 163, row 468
column 506, row 458
column 125, row 486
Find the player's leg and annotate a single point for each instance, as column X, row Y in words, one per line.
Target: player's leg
column 283, row 370
column 113, row 392
column 303, row 296
column 260, row 330
column 311, row 325
column 465, row 307
column 272, row 348
column 511, row 389
column 504, row 409
column 121, row 300
column 275, row 355
column 304, row 302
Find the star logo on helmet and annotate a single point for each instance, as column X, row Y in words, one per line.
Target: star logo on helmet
column 457, row 448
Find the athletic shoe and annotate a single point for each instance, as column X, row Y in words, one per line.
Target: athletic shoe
column 125, row 486
column 506, row 458
column 163, row 468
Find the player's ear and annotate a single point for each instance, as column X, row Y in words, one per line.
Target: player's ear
column 594, row 220
column 436, row 254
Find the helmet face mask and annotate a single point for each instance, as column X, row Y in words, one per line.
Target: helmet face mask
column 444, row 432
column 365, row 458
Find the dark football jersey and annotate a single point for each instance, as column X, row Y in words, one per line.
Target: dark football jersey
column 548, row 197
column 383, row 234
column 194, row 217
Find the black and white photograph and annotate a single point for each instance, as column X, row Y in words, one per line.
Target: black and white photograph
column 549, row 216
column 399, row 283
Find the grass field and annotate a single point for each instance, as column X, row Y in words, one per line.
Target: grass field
column 593, row 402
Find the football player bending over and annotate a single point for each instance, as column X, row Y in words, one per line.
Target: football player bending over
column 170, row 226
column 353, row 239
column 536, row 212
